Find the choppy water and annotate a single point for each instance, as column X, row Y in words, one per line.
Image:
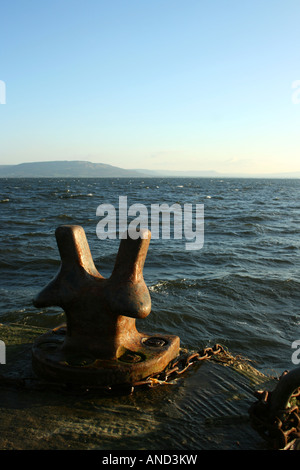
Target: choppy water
column 241, row 289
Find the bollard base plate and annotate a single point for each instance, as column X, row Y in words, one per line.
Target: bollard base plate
column 51, row 362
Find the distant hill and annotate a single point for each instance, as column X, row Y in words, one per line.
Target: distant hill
column 83, row 169
column 65, row 169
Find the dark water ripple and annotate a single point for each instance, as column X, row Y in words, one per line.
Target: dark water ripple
column 241, row 289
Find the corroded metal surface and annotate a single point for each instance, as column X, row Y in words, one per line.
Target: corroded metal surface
column 276, row 414
column 205, row 408
column 100, row 342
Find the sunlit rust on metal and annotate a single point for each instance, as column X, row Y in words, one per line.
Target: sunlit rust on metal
column 276, row 415
column 100, row 342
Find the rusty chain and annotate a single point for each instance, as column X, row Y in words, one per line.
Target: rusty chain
column 174, row 370
column 281, row 431
column 180, row 365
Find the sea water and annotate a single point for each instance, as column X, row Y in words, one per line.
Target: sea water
column 240, row 289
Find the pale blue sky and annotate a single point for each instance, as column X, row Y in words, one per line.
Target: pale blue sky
column 158, row 84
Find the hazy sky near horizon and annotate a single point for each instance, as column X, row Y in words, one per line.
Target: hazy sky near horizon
column 160, row 84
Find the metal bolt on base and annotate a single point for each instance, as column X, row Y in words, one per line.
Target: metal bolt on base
column 99, row 344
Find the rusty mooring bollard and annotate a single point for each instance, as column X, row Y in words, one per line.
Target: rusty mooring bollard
column 99, row 344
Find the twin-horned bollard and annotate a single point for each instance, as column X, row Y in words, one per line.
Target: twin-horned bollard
column 99, row 344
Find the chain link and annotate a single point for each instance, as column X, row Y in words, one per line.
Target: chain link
column 280, row 431
column 174, row 369
column 180, row 365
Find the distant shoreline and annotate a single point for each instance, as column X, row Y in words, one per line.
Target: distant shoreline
column 84, row 169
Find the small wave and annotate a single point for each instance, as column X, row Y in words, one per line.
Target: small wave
column 4, row 200
column 247, row 219
column 64, row 217
column 75, row 196
column 176, row 284
column 269, row 286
